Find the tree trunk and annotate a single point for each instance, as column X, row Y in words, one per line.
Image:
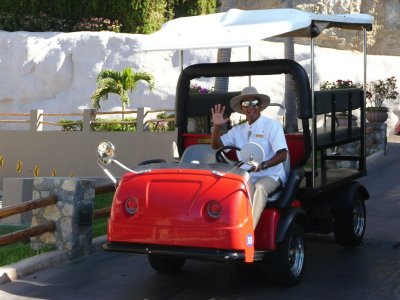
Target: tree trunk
column 224, row 55
column 222, row 83
column 290, row 100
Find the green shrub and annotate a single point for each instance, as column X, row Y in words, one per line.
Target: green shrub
column 70, row 125
column 160, row 126
column 131, row 127
column 137, row 16
column 76, row 125
column 97, row 24
column 184, row 8
column 43, row 22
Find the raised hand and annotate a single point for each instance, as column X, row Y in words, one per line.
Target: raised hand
column 218, row 115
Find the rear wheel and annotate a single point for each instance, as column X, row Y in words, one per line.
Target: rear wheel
column 290, row 257
column 166, row 264
column 350, row 223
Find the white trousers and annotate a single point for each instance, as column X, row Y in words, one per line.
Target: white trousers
column 263, row 187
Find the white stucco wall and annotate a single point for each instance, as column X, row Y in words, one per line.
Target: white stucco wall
column 57, row 72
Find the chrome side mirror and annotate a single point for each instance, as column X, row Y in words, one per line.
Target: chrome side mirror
column 252, row 154
column 106, row 152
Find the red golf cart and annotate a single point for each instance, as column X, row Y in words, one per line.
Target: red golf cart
column 200, row 207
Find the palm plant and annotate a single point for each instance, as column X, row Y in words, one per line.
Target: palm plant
column 120, row 83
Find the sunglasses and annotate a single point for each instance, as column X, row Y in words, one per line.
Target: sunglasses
column 251, row 102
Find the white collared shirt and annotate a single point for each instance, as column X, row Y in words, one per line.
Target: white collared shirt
column 266, row 132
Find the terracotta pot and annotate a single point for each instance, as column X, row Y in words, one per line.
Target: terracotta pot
column 378, row 116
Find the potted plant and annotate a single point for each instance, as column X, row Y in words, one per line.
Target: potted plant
column 341, row 117
column 379, row 91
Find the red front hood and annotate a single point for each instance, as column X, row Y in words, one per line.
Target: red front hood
column 172, row 209
column 176, row 197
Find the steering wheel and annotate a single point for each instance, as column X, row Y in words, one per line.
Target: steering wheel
column 221, row 156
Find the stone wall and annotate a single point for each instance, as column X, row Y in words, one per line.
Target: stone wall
column 376, row 141
column 73, row 214
column 376, row 138
column 382, row 40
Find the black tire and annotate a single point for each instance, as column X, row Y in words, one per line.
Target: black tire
column 350, row 223
column 166, row 264
column 290, row 257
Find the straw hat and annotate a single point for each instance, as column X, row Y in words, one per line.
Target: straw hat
column 248, row 92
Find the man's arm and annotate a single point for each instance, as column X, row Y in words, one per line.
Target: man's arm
column 280, row 156
column 216, row 141
column 218, row 119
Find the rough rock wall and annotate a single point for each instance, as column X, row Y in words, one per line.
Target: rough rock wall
column 382, row 40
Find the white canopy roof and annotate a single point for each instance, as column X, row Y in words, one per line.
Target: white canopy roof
column 238, row 28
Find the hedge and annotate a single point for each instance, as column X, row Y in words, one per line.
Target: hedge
column 132, row 16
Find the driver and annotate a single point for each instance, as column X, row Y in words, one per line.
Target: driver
column 269, row 175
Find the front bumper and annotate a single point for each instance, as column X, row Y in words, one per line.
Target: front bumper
column 187, row 252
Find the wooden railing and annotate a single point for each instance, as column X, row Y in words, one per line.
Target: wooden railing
column 59, row 124
column 24, row 234
column 50, row 226
column 14, row 121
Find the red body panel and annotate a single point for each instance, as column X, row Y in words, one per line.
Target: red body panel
column 195, row 138
column 265, row 232
column 295, row 142
column 172, row 210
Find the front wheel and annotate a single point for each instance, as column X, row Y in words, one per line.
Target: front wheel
column 350, row 224
column 166, row 264
column 290, row 256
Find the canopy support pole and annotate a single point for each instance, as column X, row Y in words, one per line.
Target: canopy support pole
column 363, row 162
column 249, row 54
column 314, row 118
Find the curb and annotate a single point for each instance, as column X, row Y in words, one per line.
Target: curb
column 40, row 262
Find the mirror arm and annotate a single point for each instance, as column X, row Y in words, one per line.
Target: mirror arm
column 108, row 173
column 113, row 179
column 124, row 167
